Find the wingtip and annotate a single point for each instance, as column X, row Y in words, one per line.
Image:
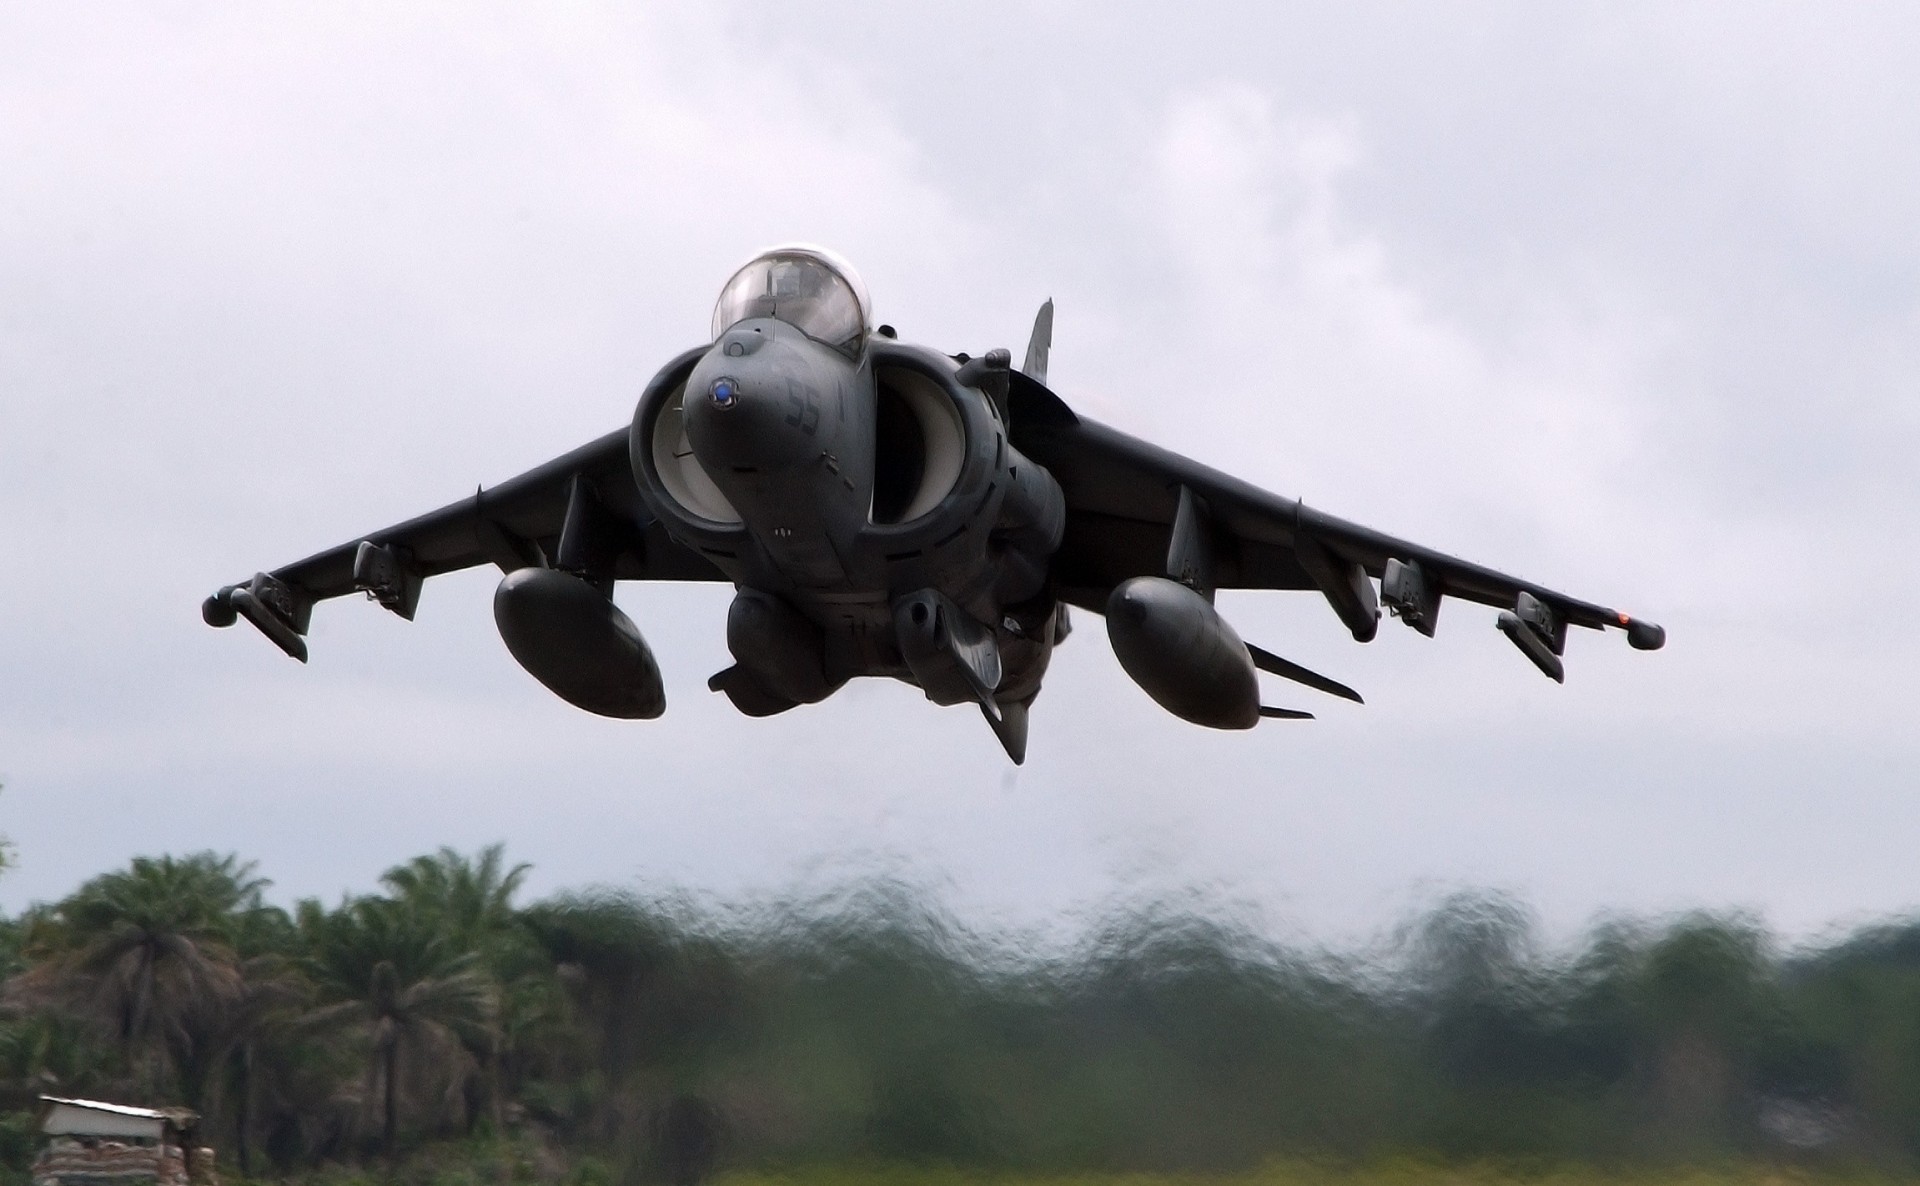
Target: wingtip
column 1641, row 635
column 217, row 611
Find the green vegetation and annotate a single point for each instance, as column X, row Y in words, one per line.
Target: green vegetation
column 6, row 846
column 440, row 1032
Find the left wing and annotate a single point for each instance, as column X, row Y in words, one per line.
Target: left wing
column 581, row 512
column 1134, row 509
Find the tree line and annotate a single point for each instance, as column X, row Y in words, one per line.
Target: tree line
column 662, row 1036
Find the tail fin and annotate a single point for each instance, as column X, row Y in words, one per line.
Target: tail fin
column 1039, row 344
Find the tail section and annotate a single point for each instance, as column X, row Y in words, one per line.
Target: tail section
column 1039, row 344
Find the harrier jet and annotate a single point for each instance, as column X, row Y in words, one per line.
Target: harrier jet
column 883, row 509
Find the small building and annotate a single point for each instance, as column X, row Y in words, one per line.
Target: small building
column 92, row 1143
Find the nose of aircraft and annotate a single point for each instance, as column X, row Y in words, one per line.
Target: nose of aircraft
column 753, row 403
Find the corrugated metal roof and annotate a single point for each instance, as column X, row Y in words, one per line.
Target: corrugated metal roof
column 118, row 1109
column 176, row 1115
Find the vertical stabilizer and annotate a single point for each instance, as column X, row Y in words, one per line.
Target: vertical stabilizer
column 1035, row 367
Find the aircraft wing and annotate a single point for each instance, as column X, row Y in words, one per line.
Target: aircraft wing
column 1134, row 509
column 580, row 511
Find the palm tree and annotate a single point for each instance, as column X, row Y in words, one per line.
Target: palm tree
column 418, row 1002
column 266, row 1013
column 470, row 899
column 649, row 999
column 615, row 958
column 148, row 954
column 49, row 1052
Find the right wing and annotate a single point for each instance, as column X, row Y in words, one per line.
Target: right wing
column 1135, row 509
column 580, row 511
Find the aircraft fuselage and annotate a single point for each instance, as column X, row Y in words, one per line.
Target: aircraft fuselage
column 866, row 501
column 835, row 490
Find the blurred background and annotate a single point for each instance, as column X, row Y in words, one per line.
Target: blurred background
column 436, row 1026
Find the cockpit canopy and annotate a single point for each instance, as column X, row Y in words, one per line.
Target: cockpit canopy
column 809, row 288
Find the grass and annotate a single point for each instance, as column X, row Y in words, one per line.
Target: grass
column 1396, row 1173
column 511, row 1162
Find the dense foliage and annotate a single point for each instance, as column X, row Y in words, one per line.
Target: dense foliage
column 655, row 1039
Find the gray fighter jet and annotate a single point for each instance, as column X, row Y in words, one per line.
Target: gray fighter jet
column 889, row 510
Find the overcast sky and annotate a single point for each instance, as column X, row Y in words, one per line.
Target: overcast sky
column 1621, row 298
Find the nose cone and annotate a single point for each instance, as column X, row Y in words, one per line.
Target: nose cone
column 754, row 402
column 1131, row 602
